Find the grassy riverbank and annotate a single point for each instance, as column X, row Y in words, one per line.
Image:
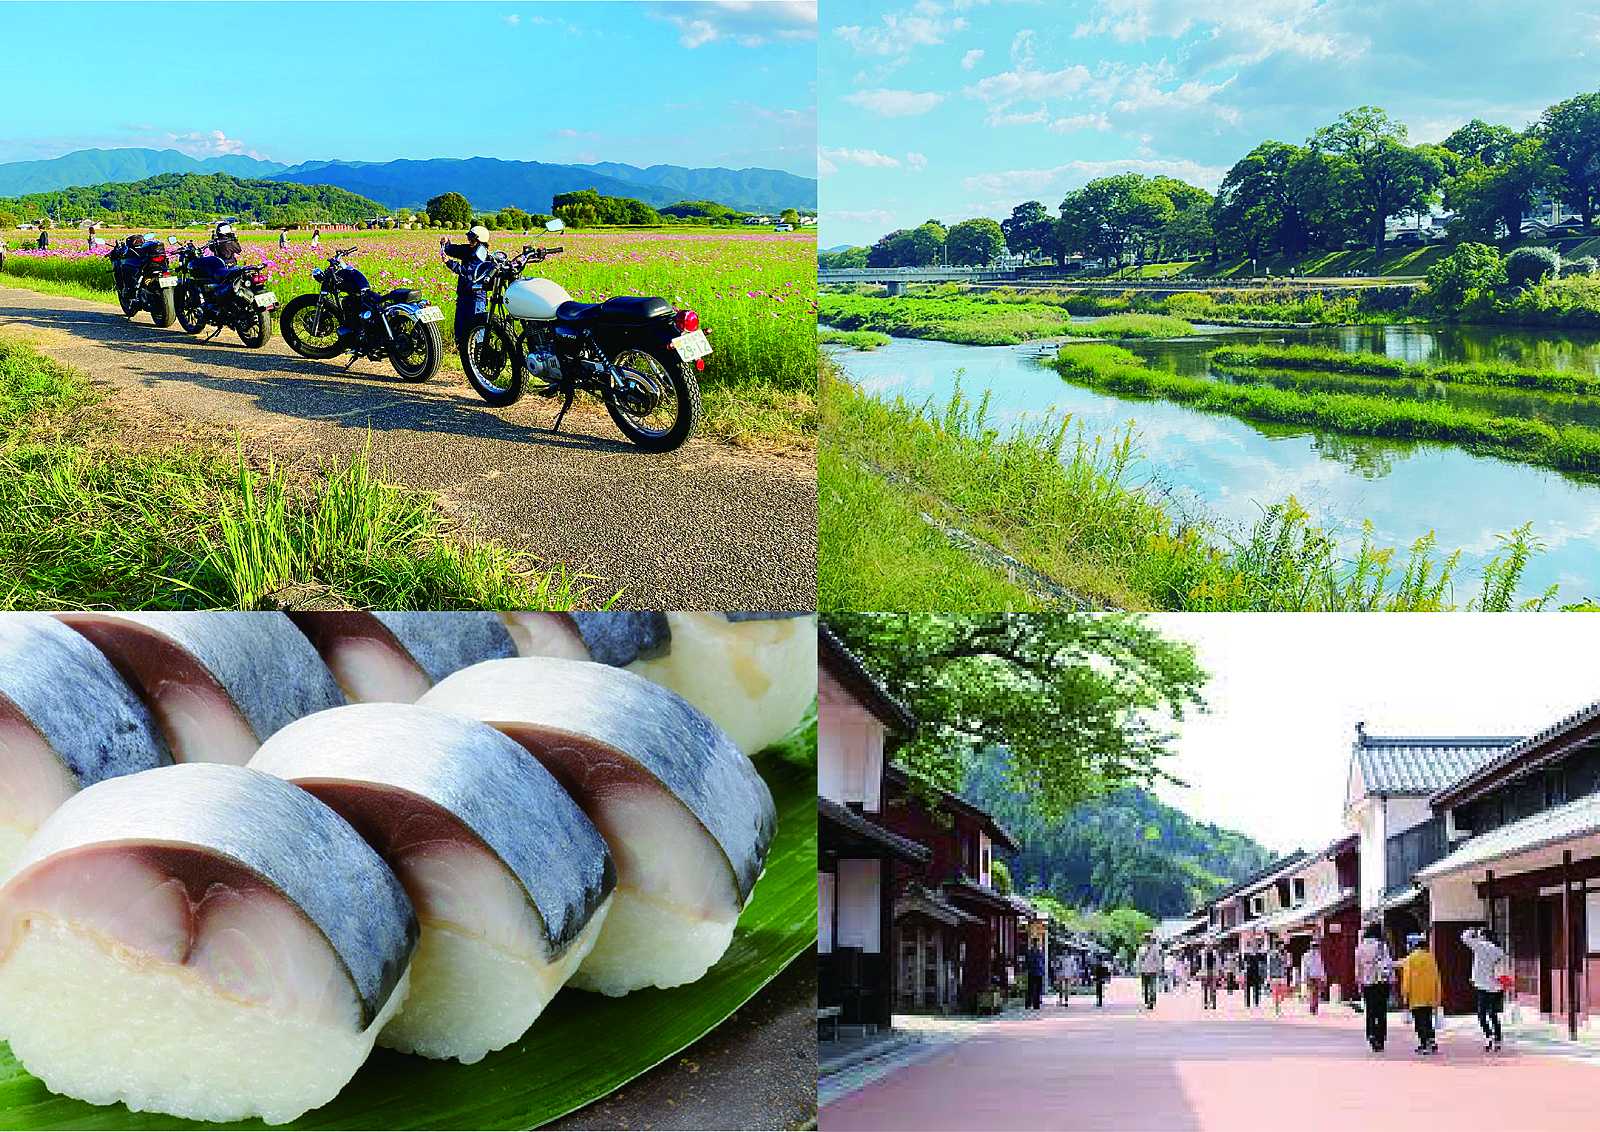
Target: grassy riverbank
column 1568, row 447
column 1066, row 505
column 985, row 319
column 1326, row 360
column 102, row 512
column 861, row 340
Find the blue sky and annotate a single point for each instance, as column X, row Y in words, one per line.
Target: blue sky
column 683, row 83
column 950, row 109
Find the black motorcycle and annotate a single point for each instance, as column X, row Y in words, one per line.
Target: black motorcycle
column 633, row 352
column 347, row 314
column 210, row 292
column 141, row 268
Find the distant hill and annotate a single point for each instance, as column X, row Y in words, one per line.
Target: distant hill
column 1126, row 850
column 491, row 184
column 181, row 197
column 101, row 166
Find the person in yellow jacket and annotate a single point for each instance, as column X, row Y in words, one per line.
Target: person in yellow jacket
column 1423, row 992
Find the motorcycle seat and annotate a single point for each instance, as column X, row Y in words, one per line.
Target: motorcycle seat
column 403, row 295
column 624, row 310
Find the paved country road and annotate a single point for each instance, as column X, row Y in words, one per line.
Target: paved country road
column 1177, row 1069
column 707, row 527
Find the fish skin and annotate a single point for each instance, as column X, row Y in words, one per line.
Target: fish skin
column 648, row 724
column 275, row 830
column 71, row 695
column 267, row 667
column 736, row 617
column 622, row 638
column 442, row 643
column 477, row 775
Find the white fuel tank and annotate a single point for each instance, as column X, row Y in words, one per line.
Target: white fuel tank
column 535, row 298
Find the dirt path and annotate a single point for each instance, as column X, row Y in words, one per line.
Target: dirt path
column 706, row 527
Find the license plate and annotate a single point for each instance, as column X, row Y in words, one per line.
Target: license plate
column 430, row 314
column 692, row 346
column 266, row 299
column 168, row 280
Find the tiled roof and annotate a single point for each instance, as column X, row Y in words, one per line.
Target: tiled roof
column 1575, row 819
column 1418, row 765
column 836, row 656
column 1291, row 859
column 1484, row 772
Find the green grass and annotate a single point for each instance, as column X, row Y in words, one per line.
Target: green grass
column 1568, row 447
column 1328, row 360
column 983, row 319
column 860, row 340
column 1068, row 505
column 100, row 514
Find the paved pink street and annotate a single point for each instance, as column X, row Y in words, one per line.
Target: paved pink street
column 1122, row 1068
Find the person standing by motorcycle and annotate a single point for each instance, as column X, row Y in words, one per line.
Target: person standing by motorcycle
column 471, row 298
column 225, row 245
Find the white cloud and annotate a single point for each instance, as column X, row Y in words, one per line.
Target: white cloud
column 1032, row 117
column 970, row 59
column 916, row 161
column 1074, row 174
column 209, row 143
column 829, row 160
column 1230, row 32
column 749, row 23
column 895, row 103
column 513, row 20
column 1079, row 122
column 900, row 32
column 871, row 216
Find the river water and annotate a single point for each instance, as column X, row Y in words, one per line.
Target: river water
column 1218, row 467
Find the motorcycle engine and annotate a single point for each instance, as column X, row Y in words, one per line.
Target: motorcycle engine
column 543, row 366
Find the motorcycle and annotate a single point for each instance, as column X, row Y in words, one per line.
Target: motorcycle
column 141, row 268
column 347, row 314
column 211, row 293
column 633, row 352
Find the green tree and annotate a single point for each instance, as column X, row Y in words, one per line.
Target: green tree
column 1485, row 196
column 1489, row 144
column 1128, row 928
column 790, row 216
column 1471, row 267
column 1000, row 877
column 1377, row 172
column 8, row 220
column 450, row 209
column 1113, row 215
column 1258, row 205
column 975, row 242
column 1031, row 230
column 1076, row 701
column 918, row 247
column 1571, row 132
column 514, row 219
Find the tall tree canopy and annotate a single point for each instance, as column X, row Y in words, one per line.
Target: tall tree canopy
column 1031, row 230
column 975, row 242
column 1080, row 703
column 1571, row 132
column 918, row 247
column 1113, row 215
column 1377, row 172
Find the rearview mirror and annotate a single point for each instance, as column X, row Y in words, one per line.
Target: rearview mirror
column 554, row 225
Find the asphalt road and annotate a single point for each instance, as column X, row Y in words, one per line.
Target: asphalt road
column 707, row 527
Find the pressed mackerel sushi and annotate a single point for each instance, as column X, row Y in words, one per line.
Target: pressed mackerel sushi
column 67, row 720
column 754, row 674
column 509, row 879
column 218, row 683
column 395, row 657
column 205, row 941
column 687, row 818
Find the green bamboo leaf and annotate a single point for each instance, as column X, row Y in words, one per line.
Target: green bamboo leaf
column 581, row 1048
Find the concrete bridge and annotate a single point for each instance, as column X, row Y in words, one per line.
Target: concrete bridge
column 896, row 279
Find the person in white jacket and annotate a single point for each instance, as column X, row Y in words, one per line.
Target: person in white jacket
column 1487, row 956
column 1148, row 963
column 1314, row 972
column 1374, row 969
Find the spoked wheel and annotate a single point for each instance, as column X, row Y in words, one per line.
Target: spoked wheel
column 190, row 314
column 417, row 348
column 310, row 332
column 491, row 361
column 653, row 399
column 255, row 327
column 126, row 293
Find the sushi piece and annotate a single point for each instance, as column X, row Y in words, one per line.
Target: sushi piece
column 754, row 674
column 204, row 941
column 217, row 683
column 381, row 657
column 510, row 881
column 687, row 818
column 67, row 720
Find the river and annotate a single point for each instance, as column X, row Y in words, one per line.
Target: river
column 1215, row 466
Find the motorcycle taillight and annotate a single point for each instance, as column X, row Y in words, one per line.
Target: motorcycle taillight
column 687, row 321
column 158, row 259
column 258, row 279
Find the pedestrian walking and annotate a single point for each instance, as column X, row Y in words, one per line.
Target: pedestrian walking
column 1210, row 968
column 316, row 237
column 1149, row 966
column 91, row 238
column 1374, row 969
column 1315, row 973
column 1486, row 959
column 1254, row 972
column 1035, row 977
column 1278, row 972
column 1422, row 990
column 1100, row 973
column 1230, row 972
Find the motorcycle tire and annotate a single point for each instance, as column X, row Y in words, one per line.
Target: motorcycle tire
column 295, row 323
column 417, row 348
column 491, row 360
column 126, row 299
column 672, row 422
column 165, row 312
column 191, row 314
column 255, row 328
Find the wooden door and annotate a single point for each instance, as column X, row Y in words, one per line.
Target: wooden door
column 1549, row 928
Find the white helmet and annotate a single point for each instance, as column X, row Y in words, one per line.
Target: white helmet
column 224, row 229
column 479, row 232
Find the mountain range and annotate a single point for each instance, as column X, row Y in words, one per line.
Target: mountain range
column 1124, row 850
column 488, row 183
